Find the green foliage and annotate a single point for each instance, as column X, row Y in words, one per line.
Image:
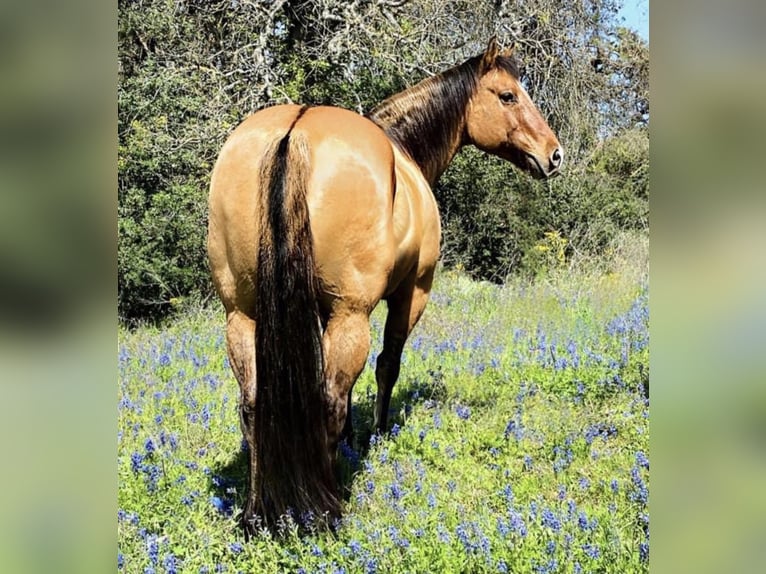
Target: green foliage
column 495, row 220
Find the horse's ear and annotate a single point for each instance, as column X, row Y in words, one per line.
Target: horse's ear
column 488, row 59
column 508, row 52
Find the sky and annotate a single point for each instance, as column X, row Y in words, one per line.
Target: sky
column 636, row 16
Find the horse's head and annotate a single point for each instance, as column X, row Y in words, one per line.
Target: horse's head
column 501, row 119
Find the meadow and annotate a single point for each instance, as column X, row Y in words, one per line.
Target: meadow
column 519, row 438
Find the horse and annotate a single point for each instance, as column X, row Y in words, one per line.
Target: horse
column 316, row 214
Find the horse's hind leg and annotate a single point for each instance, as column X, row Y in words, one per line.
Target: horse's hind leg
column 346, row 346
column 405, row 306
column 240, row 345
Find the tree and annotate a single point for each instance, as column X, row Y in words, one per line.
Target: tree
column 191, row 70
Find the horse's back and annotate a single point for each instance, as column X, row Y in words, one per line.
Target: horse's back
column 349, row 195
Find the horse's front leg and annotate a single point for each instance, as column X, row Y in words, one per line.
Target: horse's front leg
column 405, row 307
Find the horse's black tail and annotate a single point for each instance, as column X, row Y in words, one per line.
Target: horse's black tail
column 294, row 468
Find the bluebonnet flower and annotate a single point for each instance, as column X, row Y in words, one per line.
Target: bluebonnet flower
column 582, row 521
column 395, row 430
column 502, row 567
column 120, row 561
column 563, row 458
column 514, row 427
column 349, row 454
column 395, row 490
column 571, row 507
column 451, row 485
column 562, row 493
column 591, row 550
column 508, row 494
column 550, row 520
column 153, row 473
column 463, row 412
column 643, row 551
column 236, row 547
column 560, row 363
column 422, row 434
column 222, row 505
column 527, row 462
column 355, row 546
column 171, row 564
column 551, row 566
column 641, row 493
column 316, row 550
column 614, row 485
column 503, row 527
column 517, row 523
column 153, row 549
column 450, row 452
column 370, row 565
column 550, row 547
column 206, row 415
column 461, row 531
column 135, row 461
column 437, row 420
column 584, row 483
column 642, row 460
column 431, row 499
column 398, row 474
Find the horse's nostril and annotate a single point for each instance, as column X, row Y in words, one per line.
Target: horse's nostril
column 556, row 158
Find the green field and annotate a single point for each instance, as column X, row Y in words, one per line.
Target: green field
column 519, row 442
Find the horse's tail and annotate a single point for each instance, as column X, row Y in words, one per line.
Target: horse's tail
column 294, row 468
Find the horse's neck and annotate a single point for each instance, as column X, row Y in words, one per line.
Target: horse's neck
column 425, row 125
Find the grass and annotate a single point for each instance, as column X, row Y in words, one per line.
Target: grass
column 519, row 439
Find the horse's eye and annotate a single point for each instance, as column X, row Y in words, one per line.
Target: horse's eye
column 507, row 97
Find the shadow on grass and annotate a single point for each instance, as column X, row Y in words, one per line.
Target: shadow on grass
column 407, row 393
column 228, row 480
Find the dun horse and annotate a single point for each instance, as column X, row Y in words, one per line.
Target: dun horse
column 318, row 213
